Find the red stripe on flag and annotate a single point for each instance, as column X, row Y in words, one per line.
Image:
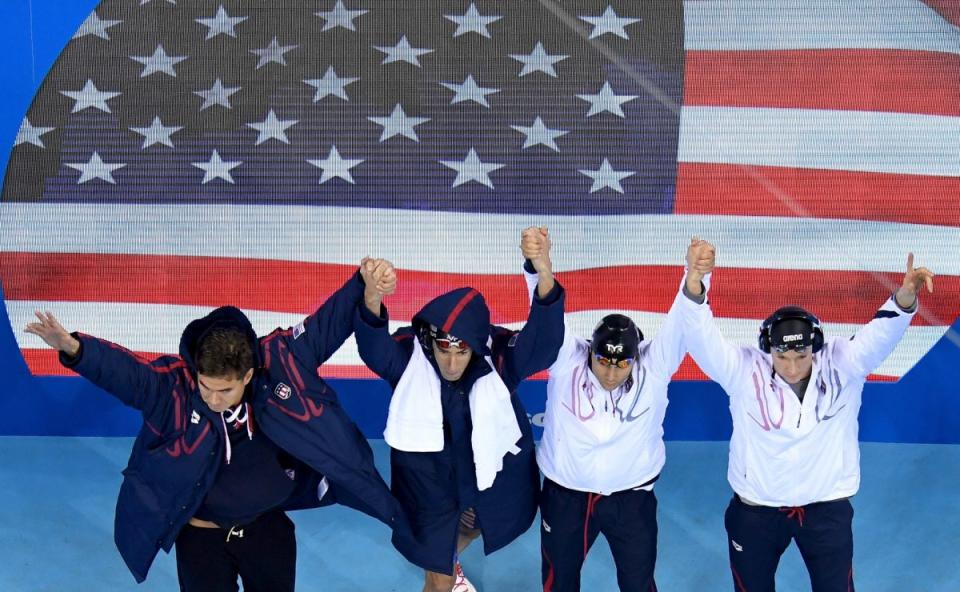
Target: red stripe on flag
column 899, row 81
column 738, row 190
column 283, row 286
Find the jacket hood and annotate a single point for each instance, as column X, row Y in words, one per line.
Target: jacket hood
column 462, row 313
column 225, row 316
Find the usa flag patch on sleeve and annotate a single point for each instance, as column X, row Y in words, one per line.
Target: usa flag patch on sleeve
column 299, row 330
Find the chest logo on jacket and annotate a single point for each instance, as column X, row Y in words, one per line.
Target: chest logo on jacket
column 282, row 391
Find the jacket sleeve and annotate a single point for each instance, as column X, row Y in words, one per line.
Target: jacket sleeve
column 537, row 345
column 719, row 359
column 137, row 383
column 569, row 347
column 385, row 355
column 322, row 333
column 669, row 346
column 873, row 343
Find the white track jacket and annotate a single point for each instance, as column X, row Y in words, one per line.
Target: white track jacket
column 602, row 441
column 785, row 452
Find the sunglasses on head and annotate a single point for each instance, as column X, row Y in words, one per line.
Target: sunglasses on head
column 451, row 343
column 605, row 361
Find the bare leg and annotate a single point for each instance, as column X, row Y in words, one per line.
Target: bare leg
column 438, row 582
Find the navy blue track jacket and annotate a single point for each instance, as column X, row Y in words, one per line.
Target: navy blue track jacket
column 507, row 509
column 181, row 445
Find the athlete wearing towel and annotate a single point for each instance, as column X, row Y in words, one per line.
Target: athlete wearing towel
column 462, row 455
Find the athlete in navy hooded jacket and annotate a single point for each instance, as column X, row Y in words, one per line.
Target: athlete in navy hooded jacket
column 439, row 490
column 201, row 459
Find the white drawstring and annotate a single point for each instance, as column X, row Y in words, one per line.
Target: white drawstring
column 234, row 418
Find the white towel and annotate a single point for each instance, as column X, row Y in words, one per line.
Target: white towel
column 415, row 419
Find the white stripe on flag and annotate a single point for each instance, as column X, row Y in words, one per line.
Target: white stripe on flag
column 816, row 24
column 485, row 243
column 901, row 143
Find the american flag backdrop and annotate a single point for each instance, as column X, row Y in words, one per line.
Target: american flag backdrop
column 183, row 154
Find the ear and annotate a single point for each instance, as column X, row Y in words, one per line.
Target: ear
column 248, row 377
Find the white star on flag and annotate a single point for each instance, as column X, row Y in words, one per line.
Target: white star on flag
column 221, row 24
column 402, row 52
column 606, row 100
column 30, row 134
column 472, row 22
column 469, row 91
column 472, row 169
column 90, row 96
column 538, row 60
column 158, row 62
column 94, row 25
column 339, row 17
column 538, row 133
column 335, row 166
column 272, row 128
column 157, row 133
column 609, row 22
column 399, row 124
column 95, row 168
column 217, row 168
column 605, row 176
column 216, row 95
column 330, row 84
column 273, row 53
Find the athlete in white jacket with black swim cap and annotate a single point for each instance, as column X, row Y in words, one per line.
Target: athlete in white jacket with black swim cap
column 602, row 446
column 794, row 454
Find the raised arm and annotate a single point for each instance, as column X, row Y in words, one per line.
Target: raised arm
column 535, row 245
column 721, row 360
column 383, row 354
column 878, row 338
column 536, row 347
column 530, row 248
column 669, row 346
column 324, row 331
column 135, row 382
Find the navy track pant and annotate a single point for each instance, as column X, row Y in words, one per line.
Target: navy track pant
column 758, row 535
column 572, row 520
column 263, row 554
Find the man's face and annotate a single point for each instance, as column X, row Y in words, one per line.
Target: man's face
column 223, row 392
column 793, row 365
column 609, row 372
column 452, row 362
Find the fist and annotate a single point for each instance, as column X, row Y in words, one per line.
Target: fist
column 701, row 256
column 378, row 275
column 535, row 243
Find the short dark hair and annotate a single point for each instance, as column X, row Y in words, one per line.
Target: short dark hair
column 224, row 352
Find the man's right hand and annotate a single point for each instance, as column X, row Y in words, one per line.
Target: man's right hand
column 701, row 258
column 53, row 334
column 535, row 245
column 380, row 279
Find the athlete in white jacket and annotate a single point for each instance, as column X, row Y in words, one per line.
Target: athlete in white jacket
column 794, row 454
column 602, row 446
